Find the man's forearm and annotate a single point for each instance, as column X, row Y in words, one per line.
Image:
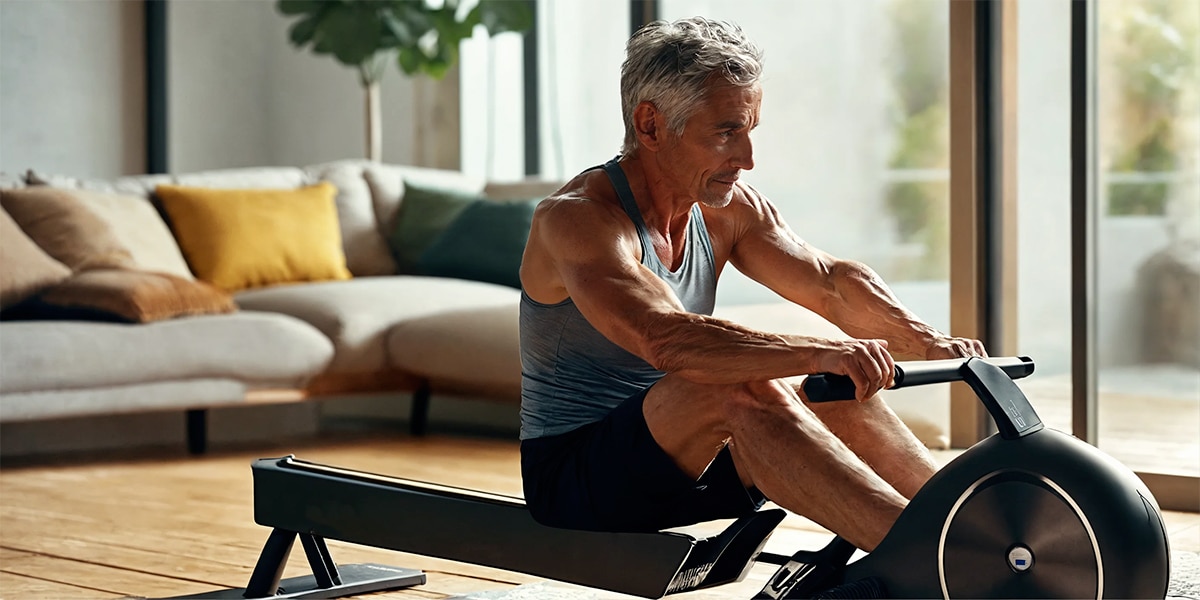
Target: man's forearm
column 864, row 307
column 713, row 350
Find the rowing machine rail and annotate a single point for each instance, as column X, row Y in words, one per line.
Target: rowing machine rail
column 293, row 496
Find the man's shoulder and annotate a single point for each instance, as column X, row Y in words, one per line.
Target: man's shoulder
column 588, row 192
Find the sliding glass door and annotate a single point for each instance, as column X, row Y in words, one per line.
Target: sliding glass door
column 1109, row 289
column 1147, row 56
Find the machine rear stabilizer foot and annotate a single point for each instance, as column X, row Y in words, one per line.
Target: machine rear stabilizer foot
column 356, row 579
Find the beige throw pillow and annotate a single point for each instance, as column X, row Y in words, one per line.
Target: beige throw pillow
column 137, row 225
column 65, row 228
column 25, row 269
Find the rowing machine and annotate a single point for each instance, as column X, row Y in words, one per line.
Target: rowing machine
column 1029, row 512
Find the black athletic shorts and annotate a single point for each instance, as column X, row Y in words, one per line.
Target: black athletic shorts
column 612, row 476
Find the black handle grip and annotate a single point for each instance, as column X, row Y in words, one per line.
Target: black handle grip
column 828, row 387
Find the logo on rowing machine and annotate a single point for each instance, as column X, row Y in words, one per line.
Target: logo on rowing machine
column 1020, row 558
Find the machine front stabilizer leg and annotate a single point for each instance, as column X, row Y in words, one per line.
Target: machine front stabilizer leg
column 327, row 581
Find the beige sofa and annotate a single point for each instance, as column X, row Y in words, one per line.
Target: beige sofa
column 379, row 331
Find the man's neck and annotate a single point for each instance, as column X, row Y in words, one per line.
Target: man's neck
column 663, row 206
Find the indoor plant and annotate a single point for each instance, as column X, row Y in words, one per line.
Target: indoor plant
column 422, row 38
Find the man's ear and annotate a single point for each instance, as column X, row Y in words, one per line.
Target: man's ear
column 649, row 125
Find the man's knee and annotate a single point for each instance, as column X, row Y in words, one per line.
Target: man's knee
column 717, row 408
column 754, row 398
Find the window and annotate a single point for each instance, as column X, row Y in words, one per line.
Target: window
column 1147, row 285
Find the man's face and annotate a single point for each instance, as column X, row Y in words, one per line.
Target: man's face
column 708, row 158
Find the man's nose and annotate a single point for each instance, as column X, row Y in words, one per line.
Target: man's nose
column 743, row 155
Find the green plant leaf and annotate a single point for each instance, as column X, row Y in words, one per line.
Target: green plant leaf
column 352, row 33
column 299, row 7
column 499, row 16
column 402, row 33
column 410, row 60
column 303, row 31
column 439, row 64
column 359, row 33
column 412, row 12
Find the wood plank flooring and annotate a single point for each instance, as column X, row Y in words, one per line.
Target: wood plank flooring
column 167, row 525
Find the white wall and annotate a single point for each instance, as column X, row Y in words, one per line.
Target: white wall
column 71, row 87
column 241, row 95
column 72, row 93
column 822, row 147
column 218, row 66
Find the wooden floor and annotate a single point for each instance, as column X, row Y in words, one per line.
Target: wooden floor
column 174, row 525
column 1154, row 433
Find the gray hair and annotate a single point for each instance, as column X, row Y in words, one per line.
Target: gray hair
column 670, row 65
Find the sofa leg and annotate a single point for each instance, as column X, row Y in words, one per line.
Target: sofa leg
column 197, row 431
column 419, row 418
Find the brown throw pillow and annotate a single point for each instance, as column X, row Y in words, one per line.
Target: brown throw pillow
column 25, row 269
column 65, row 228
column 132, row 296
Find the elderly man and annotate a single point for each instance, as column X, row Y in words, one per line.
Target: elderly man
column 642, row 412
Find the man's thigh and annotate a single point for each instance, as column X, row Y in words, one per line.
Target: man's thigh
column 690, row 421
column 612, row 475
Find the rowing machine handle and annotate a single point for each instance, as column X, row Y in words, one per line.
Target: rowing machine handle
column 828, row 387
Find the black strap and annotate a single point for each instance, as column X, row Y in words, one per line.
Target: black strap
column 625, row 194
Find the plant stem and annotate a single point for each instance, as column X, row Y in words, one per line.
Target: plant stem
column 374, row 129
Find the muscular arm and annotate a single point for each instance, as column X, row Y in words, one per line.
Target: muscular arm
column 588, row 251
column 847, row 293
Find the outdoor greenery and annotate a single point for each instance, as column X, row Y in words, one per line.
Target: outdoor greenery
column 1151, row 48
column 1149, row 55
column 920, row 205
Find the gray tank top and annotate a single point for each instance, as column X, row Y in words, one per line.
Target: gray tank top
column 572, row 375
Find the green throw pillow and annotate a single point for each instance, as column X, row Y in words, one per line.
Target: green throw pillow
column 484, row 243
column 424, row 214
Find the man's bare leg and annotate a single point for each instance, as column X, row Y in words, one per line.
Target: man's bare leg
column 780, row 446
column 873, row 431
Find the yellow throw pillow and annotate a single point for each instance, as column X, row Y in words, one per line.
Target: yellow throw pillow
column 239, row 239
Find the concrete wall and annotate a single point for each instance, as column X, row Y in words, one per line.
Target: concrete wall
column 242, row 95
column 71, row 87
column 72, row 93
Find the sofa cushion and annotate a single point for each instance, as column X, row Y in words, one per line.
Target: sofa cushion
column 25, row 269
column 130, row 296
column 367, row 252
column 245, row 238
column 142, row 185
column 10, row 181
column 387, row 183
column 485, row 242
column 424, row 215
column 475, row 349
column 261, row 349
column 359, row 314
column 107, row 400
column 65, row 228
column 276, row 178
column 522, row 189
column 136, row 224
